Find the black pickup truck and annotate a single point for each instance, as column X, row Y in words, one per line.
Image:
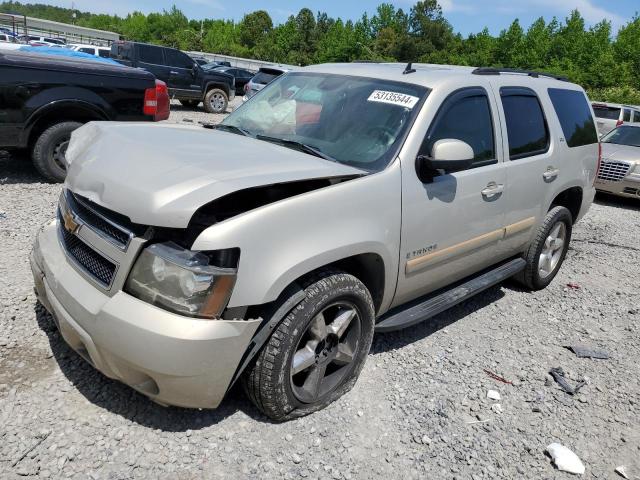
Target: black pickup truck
column 186, row 79
column 43, row 98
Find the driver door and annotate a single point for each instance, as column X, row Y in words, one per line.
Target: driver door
column 452, row 225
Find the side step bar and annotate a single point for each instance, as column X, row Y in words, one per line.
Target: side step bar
column 434, row 305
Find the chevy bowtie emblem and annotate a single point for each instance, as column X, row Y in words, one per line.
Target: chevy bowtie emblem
column 70, row 224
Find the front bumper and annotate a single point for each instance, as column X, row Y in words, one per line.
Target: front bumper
column 628, row 187
column 172, row 359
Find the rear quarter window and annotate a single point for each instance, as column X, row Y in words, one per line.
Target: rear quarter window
column 575, row 116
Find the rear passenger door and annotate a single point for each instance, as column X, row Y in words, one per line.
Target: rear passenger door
column 151, row 58
column 531, row 167
column 181, row 72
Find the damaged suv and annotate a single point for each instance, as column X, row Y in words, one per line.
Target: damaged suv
column 341, row 200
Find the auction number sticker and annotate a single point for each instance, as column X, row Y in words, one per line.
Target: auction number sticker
column 393, row 98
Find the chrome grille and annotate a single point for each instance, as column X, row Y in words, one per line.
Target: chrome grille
column 613, row 171
column 100, row 268
column 97, row 218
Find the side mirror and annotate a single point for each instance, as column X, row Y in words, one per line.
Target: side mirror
column 448, row 154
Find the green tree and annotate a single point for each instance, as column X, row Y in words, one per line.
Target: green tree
column 254, row 29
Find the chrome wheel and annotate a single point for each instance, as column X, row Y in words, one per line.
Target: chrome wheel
column 552, row 250
column 217, row 102
column 325, row 352
column 58, row 154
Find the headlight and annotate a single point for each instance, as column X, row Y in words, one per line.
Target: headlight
column 181, row 281
column 636, row 169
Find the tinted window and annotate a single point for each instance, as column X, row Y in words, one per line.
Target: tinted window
column 465, row 116
column 104, row 53
column 609, row 113
column 526, row 126
column 636, row 116
column 92, row 51
column 150, row 54
column 263, row 77
column 178, row 59
column 575, row 116
column 627, row 115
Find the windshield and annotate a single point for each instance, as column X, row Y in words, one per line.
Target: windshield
column 624, row 136
column 357, row 121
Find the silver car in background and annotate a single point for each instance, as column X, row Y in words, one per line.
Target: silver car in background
column 619, row 171
column 612, row 115
column 263, row 77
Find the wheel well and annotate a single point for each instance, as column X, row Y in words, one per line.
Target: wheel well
column 571, row 199
column 369, row 269
column 220, row 86
column 68, row 113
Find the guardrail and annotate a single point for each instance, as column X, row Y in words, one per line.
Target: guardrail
column 22, row 25
column 246, row 63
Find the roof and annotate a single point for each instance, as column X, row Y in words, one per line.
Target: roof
column 428, row 75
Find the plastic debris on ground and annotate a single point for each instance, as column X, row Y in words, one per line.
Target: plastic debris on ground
column 558, row 375
column 582, row 351
column 565, row 459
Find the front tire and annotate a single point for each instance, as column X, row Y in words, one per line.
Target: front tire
column 548, row 250
column 216, row 101
column 50, row 148
column 316, row 353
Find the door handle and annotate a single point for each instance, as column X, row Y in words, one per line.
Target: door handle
column 551, row 174
column 173, row 72
column 492, row 190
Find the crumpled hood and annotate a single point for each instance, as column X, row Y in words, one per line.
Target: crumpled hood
column 161, row 174
column 625, row 153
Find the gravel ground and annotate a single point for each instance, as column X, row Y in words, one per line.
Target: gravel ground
column 419, row 410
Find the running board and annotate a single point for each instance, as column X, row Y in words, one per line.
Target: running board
column 434, row 305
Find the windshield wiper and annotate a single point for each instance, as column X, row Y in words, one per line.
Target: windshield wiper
column 298, row 145
column 231, row 128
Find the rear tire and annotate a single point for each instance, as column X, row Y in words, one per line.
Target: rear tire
column 316, row 353
column 216, row 101
column 49, row 150
column 190, row 103
column 548, row 250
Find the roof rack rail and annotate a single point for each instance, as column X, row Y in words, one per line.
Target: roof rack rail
column 530, row 73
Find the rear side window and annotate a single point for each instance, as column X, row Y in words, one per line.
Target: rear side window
column 636, row 116
column 150, row 54
column 104, row 53
column 466, row 116
column 575, row 116
column 92, row 51
column 527, row 128
column 627, row 115
column 178, row 59
column 607, row 113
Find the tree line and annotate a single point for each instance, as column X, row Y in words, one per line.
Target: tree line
column 607, row 63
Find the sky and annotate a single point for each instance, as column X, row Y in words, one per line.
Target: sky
column 466, row 16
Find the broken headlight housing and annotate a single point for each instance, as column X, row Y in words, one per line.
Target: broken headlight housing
column 181, row 281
